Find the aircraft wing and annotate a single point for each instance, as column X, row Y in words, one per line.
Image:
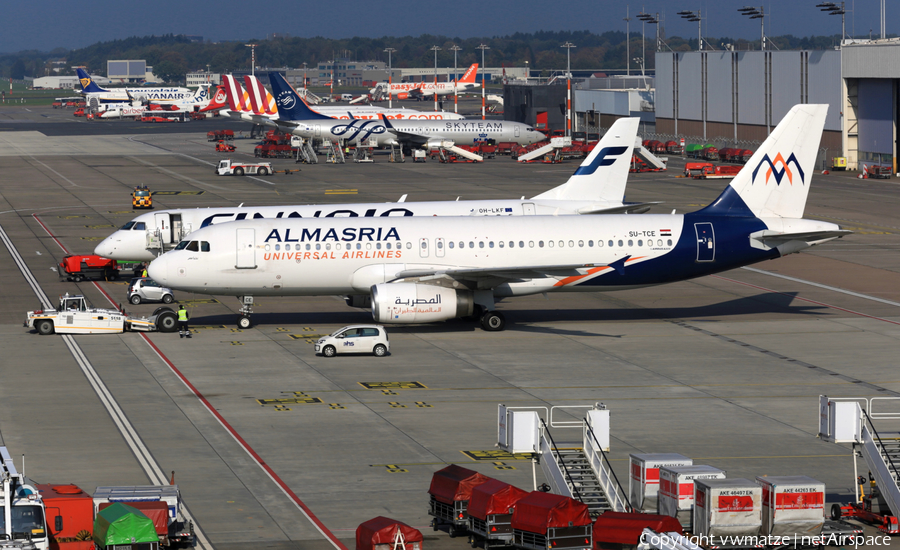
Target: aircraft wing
column 627, row 208
column 409, row 137
column 499, row 275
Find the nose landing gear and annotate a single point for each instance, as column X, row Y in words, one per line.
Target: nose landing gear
column 246, row 309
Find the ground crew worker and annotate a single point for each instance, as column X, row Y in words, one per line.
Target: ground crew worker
column 183, row 322
column 144, row 274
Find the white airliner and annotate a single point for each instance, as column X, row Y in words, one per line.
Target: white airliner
column 296, row 116
column 427, row 269
column 90, row 90
column 134, row 108
column 253, row 103
column 597, row 187
column 422, row 90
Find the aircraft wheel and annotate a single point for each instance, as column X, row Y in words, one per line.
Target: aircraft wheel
column 244, row 322
column 44, row 327
column 136, row 299
column 329, row 351
column 493, row 321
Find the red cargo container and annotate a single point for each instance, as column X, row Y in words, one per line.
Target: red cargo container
column 79, row 267
column 545, row 520
column 156, row 510
column 489, row 511
column 70, row 516
column 382, row 533
column 613, row 530
column 450, row 491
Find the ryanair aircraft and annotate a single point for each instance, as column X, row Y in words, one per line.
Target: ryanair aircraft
column 90, row 90
column 428, row 269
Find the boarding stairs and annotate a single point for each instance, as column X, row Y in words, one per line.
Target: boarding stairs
column 333, row 153
column 306, row 153
column 581, row 470
column 449, row 146
column 310, row 97
column 852, row 420
column 397, row 153
column 553, row 148
column 654, row 162
column 362, row 154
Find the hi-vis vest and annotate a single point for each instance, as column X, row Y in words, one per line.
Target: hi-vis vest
column 182, row 315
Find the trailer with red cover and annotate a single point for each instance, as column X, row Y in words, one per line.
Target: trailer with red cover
column 620, row 530
column 383, row 533
column 490, row 512
column 450, row 491
column 544, row 521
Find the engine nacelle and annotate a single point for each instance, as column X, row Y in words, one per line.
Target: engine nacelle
column 402, row 95
column 362, row 301
column 416, row 303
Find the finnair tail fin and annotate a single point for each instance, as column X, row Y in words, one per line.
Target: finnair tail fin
column 469, row 75
column 775, row 181
column 261, row 101
column 290, row 105
column 604, row 173
column 88, row 85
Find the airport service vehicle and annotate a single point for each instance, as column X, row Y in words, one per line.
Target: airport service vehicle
column 223, row 147
column 21, row 506
column 144, row 289
column 78, row 267
column 229, row 167
column 165, row 116
column 706, row 171
column 421, row 90
column 400, row 266
column 353, row 339
column 79, row 112
column 141, row 197
column 597, row 187
column 300, row 120
column 74, row 316
column 253, row 103
column 172, row 527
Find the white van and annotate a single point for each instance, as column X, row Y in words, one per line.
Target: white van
column 346, row 97
column 355, row 339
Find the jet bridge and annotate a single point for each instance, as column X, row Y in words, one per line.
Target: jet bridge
column 852, row 420
column 579, row 469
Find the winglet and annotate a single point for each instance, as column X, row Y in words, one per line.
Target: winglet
column 290, row 105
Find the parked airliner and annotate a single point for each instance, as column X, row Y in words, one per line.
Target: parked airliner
column 427, row 269
column 90, row 90
column 597, row 187
column 422, row 90
column 296, row 116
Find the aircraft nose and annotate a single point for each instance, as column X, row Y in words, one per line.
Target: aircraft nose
column 158, row 270
column 107, row 246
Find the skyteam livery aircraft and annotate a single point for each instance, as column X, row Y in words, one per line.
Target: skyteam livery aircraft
column 597, row 187
column 427, row 269
column 297, row 117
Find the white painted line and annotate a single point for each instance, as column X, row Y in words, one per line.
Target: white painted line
column 826, row 287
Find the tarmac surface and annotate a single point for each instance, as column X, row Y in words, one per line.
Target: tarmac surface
column 262, row 434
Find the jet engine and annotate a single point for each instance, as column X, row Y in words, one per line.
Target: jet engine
column 362, row 301
column 417, row 303
column 402, row 95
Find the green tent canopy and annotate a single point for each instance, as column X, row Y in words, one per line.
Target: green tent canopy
column 122, row 524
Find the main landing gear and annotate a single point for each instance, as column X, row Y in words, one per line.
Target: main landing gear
column 493, row 321
column 246, row 309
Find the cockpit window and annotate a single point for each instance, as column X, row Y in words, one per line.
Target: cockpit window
column 139, row 226
column 531, row 129
column 181, row 245
column 204, row 246
column 194, row 246
column 127, row 226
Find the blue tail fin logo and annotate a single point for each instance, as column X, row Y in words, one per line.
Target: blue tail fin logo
column 87, row 83
column 290, row 105
column 779, row 174
column 606, row 157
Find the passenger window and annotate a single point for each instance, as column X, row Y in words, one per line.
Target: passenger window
column 277, row 247
column 640, row 242
column 659, row 242
column 491, row 244
column 462, row 244
column 630, row 242
column 440, row 244
column 591, row 243
column 562, row 244
column 386, row 245
column 424, row 245
column 521, row 244
column 318, row 246
column 580, row 244
column 378, row 246
column 530, row 244
column 328, row 246
column 451, row 244
column 140, row 226
column 550, row 244
column 572, row 243
column 193, row 246
column 621, row 244
column 480, row 244
column 368, row 246
column 670, row 242
column 408, row 246
column 358, row 246
column 499, row 243
column 308, row 246
column 540, row 244
column 471, row 244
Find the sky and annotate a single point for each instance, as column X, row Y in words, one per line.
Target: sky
column 48, row 24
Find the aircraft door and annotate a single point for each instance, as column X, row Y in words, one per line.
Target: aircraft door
column 423, row 248
column 164, row 227
column 517, row 130
column 246, row 249
column 318, row 131
column 706, row 242
column 177, row 229
column 439, row 247
column 528, row 208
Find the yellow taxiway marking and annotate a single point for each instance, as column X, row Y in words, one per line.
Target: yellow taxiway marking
column 340, row 191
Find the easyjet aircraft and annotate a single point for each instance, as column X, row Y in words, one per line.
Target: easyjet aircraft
column 427, row 269
column 424, row 89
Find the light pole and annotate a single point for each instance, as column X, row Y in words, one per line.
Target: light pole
column 652, row 20
column 304, row 76
column 568, row 46
column 694, row 16
column 252, row 58
column 757, row 13
column 627, row 44
column 455, row 49
column 482, row 47
column 390, row 78
column 435, row 49
column 833, row 9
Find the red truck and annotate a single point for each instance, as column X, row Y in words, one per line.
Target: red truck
column 77, row 267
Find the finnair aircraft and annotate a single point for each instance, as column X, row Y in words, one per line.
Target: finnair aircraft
column 295, row 115
column 428, row 269
column 597, row 187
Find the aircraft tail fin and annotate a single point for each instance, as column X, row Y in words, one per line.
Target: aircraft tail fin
column 775, row 181
column 88, row 85
column 234, row 92
column 289, row 104
column 604, row 173
column 261, row 101
column 469, row 75
column 218, row 101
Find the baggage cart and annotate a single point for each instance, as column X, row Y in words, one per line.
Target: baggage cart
column 617, row 530
column 449, row 493
column 542, row 521
column 792, row 505
column 383, row 533
column 727, row 508
column 490, row 513
column 643, row 483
